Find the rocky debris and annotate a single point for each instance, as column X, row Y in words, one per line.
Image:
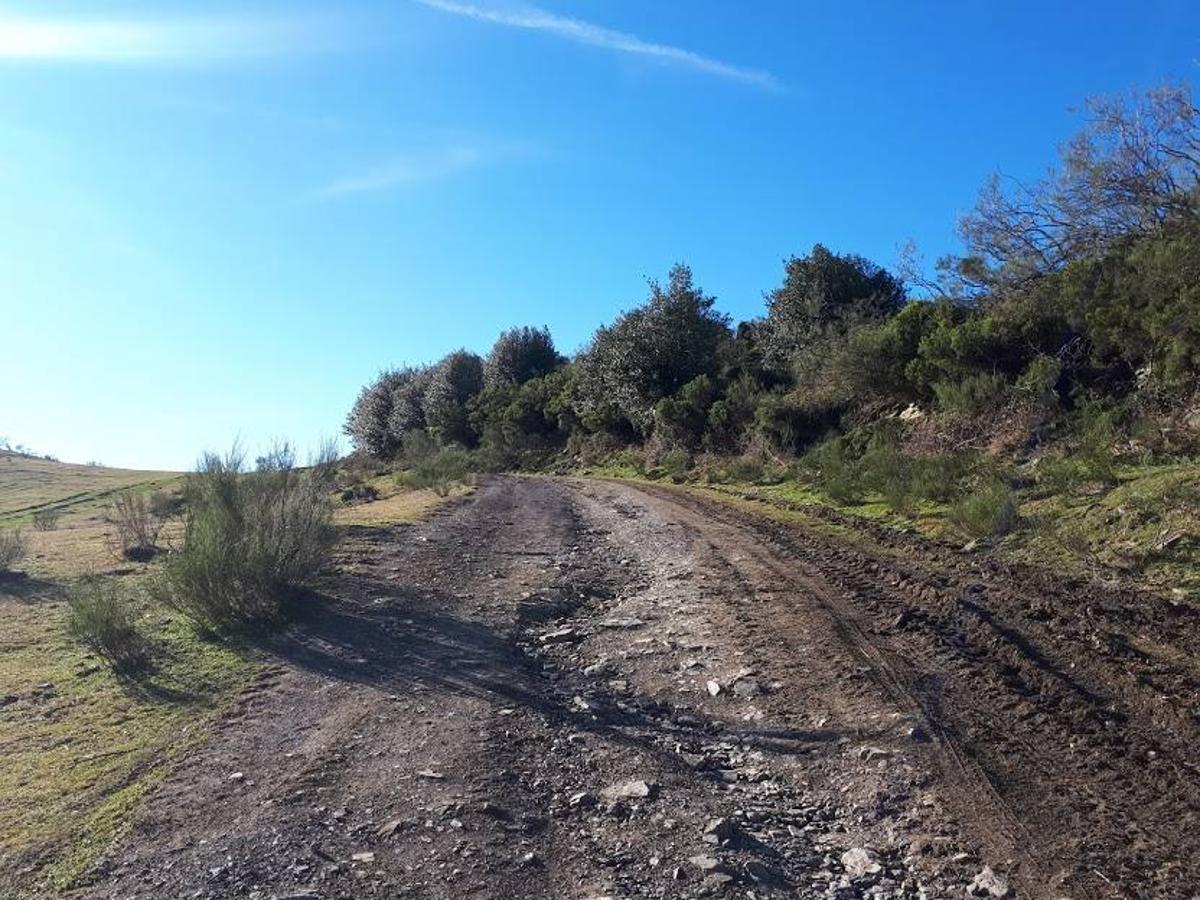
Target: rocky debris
column 714, row 688
column 706, row 864
column 988, row 884
column 564, row 635
column 745, row 688
column 860, row 862
column 721, row 831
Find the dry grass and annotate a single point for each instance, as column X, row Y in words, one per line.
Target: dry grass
column 401, row 508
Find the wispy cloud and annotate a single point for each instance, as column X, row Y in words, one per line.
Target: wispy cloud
column 160, row 40
column 583, row 32
column 414, row 167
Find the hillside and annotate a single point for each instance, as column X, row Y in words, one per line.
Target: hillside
column 29, row 483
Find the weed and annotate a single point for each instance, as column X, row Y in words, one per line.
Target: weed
column 103, row 617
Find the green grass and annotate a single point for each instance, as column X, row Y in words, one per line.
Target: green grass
column 80, row 754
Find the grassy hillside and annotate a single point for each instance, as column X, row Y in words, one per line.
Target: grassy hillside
column 28, row 484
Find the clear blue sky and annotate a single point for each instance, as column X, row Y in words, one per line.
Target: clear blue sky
column 220, row 220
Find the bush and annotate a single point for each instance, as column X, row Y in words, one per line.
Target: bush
column 136, row 527
column 439, row 472
column 12, row 549
column 971, row 395
column 987, row 512
column 46, row 519
column 746, row 470
column 103, row 618
column 790, row 423
column 676, row 463
column 249, row 538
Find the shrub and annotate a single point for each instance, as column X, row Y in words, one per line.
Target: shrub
column 12, row 549
column 439, row 472
column 103, row 618
column 47, row 519
column 136, row 528
column 987, row 512
column 249, row 538
column 790, row 423
column 676, row 463
column 744, row 469
column 971, row 395
column 831, row 465
column 359, row 493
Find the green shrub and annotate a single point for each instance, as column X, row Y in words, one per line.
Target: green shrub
column 746, row 470
column 971, row 395
column 676, row 463
column 101, row 616
column 832, row 466
column 439, row 472
column 249, row 537
column 47, row 519
column 12, row 549
column 790, row 423
column 989, row 511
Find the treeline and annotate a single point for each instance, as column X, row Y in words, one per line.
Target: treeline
column 1075, row 307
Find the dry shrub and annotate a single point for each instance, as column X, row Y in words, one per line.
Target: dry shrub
column 12, row 549
column 136, row 527
column 46, row 519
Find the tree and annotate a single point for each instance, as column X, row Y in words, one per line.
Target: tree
column 452, row 384
column 652, row 351
column 367, row 425
column 823, row 296
column 520, row 354
column 1133, row 170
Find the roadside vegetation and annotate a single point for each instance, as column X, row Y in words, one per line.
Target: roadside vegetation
column 1037, row 393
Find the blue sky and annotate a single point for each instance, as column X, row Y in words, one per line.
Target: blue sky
column 219, row 220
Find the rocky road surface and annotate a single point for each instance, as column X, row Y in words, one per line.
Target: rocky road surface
column 585, row 689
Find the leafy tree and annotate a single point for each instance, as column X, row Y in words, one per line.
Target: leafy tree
column 519, row 355
column 452, row 383
column 367, row 425
column 823, row 296
column 650, row 352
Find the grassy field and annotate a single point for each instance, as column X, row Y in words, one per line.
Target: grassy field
column 81, row 746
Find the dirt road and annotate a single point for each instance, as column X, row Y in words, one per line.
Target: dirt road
column 562, row 688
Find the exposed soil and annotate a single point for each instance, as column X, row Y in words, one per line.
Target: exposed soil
column 569, row 688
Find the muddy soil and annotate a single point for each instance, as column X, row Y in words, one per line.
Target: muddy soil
column 571, row 688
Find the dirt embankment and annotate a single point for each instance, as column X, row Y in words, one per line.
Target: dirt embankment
column 584, row 689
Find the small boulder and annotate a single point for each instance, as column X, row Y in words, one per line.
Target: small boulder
column 859, row 862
